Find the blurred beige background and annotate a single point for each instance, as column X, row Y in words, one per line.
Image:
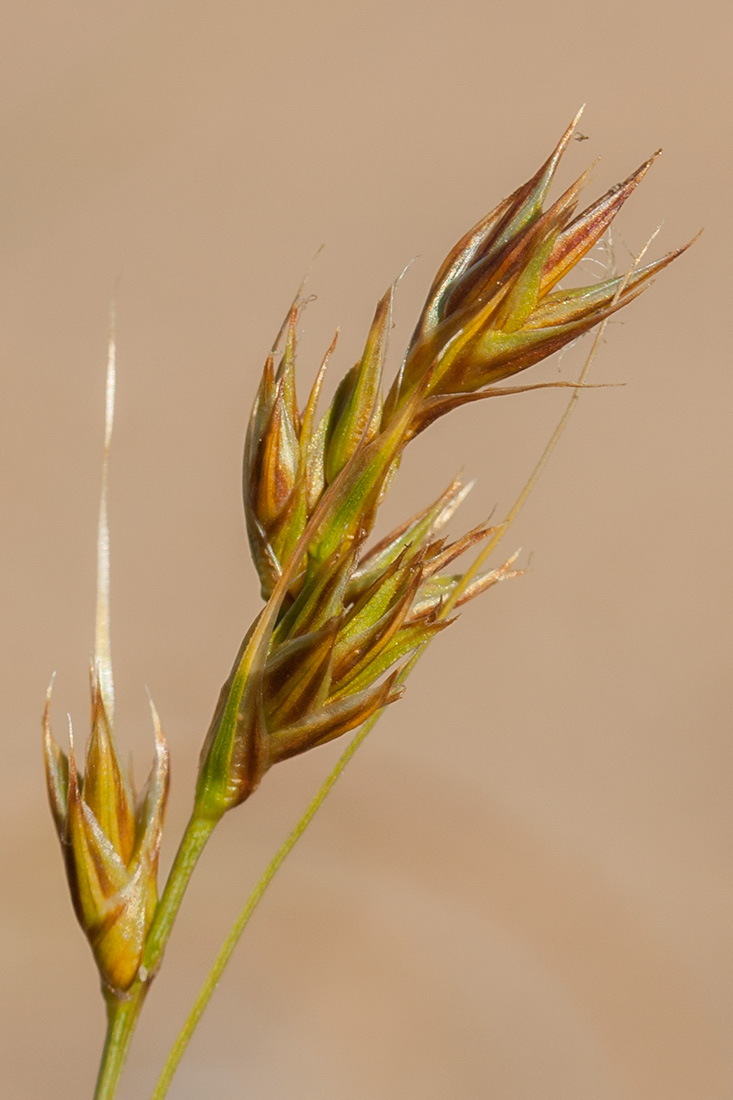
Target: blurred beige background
column 521, row 889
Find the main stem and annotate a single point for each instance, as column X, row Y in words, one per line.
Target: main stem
column 122, row 1014
column 121, row 1019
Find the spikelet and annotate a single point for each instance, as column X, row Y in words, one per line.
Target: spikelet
column 110, row 840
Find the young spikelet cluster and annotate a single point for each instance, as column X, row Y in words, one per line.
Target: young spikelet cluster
column 342, row 619
column 110, row 840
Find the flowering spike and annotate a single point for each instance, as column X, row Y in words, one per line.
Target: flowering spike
column 490, row 313
column 479, row 311
column 340, row 617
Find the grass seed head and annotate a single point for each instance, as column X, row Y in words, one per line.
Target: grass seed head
column 342, row 620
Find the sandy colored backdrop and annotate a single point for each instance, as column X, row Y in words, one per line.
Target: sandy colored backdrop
column 521, row 890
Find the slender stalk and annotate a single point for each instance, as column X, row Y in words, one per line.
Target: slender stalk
column 192, row 845
column 122, row 1015
column 121, row 1019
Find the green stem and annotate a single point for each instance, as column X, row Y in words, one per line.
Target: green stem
column 192, row 845
column 121, row 1019
column 235, row 932
column 122, row 1015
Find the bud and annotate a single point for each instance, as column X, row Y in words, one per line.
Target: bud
column 110, row 841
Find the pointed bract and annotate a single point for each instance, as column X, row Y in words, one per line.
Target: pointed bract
column 355, row 419
column 106, row 787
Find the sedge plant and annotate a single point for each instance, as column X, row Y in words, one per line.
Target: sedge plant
column 344, row 618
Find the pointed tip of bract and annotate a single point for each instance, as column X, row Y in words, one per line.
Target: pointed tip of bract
column 356, row 411
column 566, row 137
column 540, row 182
column 481, row 582
column 456, row 494
column 683, row 248
column 73, row 770
column 57, row 768
column 638, row 174
column 578, row 115
column 580, row 235
column 154, row 797
column 162, row 752
column 47, row 735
